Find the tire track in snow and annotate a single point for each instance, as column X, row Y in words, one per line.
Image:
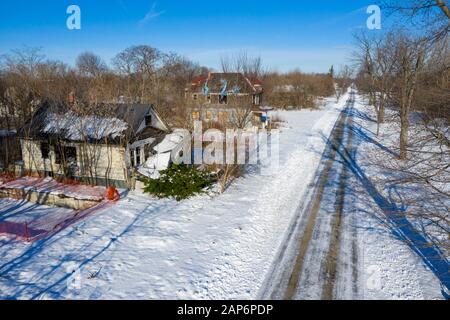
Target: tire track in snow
column 283, row 281
column 313, row 230
column 332, row 258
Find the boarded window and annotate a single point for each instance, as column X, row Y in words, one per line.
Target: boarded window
column 208, row 115
column 45, row 150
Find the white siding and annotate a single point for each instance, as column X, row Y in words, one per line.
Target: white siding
column 102, row 161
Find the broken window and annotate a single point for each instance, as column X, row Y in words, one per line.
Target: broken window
column 223, row 99
column 70, row 153
column 138, row 156
column 208, row 98
column 45, row 150
column 148, row 152
column 133, row 163
column 208, row 115
column 65, row 154
column 196, row 115
column 195, row 96
column 256, row 99
column 148, row 120
column 58, row 155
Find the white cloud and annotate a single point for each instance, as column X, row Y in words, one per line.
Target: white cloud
column 152, row 14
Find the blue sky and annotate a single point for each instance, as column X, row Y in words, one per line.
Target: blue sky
column 309, row 35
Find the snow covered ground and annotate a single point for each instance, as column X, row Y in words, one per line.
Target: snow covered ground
column 211, row 247
column 389, row 268
column 205, row 247
column 26, row 219
column 352, row 240
column 51, row 186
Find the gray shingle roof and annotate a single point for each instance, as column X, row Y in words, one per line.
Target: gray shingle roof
column 112, row 121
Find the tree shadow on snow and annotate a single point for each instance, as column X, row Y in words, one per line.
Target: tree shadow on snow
column 44, row 283
column 393, row 209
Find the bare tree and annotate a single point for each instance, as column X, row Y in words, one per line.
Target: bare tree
column 409, row 72
column 251, row 67
column 385, row 61
column 90, row 64
column 343, row 80
column 23, row 82
column 364, row 59
column 410, row 57
column 296, row 89
column 140, row 64
column 429, row 18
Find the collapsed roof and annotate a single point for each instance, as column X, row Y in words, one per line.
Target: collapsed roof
column 235, row 82
column 111, row 122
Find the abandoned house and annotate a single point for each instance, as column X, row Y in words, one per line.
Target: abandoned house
column 224, row 97
column 96, row 149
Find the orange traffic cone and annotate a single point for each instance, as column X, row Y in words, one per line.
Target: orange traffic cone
column 112, row 194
